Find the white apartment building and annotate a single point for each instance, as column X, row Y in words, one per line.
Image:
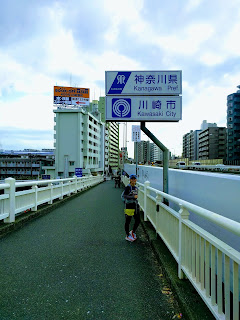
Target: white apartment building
column 156, row 153
column 80, row 141
column 113, row 129
column 113, row 136
column 106, row 150
column 206, row 125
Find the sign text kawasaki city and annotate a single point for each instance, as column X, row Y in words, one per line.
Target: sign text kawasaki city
column 142, row 108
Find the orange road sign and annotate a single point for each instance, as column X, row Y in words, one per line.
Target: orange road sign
column 71, row 92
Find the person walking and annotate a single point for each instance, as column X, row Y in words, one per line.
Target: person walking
column 131, row 208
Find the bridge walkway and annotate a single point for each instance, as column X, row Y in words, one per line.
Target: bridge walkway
column 74, row 263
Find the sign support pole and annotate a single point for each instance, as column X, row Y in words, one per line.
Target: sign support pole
column 165, row 157
column 136, row 156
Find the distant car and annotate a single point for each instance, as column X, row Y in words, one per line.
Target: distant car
column 219, row 167
column 196, row 163
column 181, row 164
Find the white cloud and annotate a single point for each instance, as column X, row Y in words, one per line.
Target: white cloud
column 125, row 12
column 193, row 5
column 186, row 41
column 198, row 39
column 231, row 44
column 29, row 112
column 211, row 58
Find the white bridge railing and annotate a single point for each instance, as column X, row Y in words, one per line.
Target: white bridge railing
column 13, row 202
column 211, row 265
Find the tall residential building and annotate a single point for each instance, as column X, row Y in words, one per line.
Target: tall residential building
column 113, row 129
column 212, row 143
column 100, row 113
column 190, row 145
column 186, row 146
column 143, row 154
column 206, row 125
column 106, row 149
column 101, row 108
column 233, row 128
column 79, row 141
column 156, row 153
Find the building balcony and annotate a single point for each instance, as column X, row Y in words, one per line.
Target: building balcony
column 221, row 143
column 35, row 173
column 236, row 135
column 203, row 139
column 10, row 165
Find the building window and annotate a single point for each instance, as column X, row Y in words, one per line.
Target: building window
column 71, row 163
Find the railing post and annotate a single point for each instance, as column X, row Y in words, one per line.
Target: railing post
column 159, row 199
column 61, row 190
column 51, row 193
column 35, row 188
column 76, row 184
column 183, row 214
column 11, row 192
column 146, row 192
column 69, row 188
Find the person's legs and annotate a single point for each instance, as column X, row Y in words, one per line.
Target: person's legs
column 137, row 219
column 127, row 223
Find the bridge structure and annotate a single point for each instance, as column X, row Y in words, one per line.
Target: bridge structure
column 74, row 263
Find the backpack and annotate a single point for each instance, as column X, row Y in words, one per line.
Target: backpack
column 125, row 200
column 122, row 196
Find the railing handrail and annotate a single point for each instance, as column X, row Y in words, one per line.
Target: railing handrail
column 4, row 186
column 204, row 259
column 39, row 182
column 13, row 202
column 221, row 221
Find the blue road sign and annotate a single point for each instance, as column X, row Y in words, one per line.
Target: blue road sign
column 142, row 108
column 149, row 83
column 46, row 176
column 78, row 172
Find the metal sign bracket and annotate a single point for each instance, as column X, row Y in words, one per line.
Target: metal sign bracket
column 165, row 157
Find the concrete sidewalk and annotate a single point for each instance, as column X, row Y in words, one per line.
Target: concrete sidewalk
column 74, row 263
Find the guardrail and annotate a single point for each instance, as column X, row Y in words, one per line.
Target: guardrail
column 212, row 168
column 13, row 202
column 211, row 265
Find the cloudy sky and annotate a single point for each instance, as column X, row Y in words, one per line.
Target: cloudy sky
column 46, row 43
